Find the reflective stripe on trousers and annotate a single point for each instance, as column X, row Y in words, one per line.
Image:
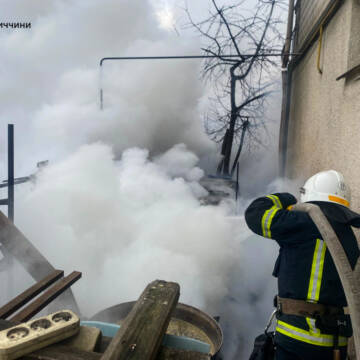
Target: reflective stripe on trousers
column 310, row 337
column 313, row 335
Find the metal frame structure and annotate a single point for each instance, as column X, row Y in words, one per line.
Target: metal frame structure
column 11, row 180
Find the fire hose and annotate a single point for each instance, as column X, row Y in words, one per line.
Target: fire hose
column 350, row 279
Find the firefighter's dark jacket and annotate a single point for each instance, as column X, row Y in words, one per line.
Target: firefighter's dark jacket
column 304, row 267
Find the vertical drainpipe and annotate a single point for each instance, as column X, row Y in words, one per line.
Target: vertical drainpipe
column 287, row 104
column 286, row 88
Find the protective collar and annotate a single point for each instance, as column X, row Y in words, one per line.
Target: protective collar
column 339, row 213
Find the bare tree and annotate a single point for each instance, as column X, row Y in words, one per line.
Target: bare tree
column 242, row 80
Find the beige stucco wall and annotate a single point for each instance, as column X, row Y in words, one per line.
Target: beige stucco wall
column 324, row 128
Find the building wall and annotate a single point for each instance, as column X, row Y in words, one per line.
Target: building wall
column 324, row 126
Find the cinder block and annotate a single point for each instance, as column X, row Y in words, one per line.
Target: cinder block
column 38, row 333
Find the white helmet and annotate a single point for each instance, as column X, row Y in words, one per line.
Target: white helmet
column 326, row 186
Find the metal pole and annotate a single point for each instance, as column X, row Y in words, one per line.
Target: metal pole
column 8, row 257
column 286, row 88
column 11, row 172
column 237, row 181
column 229, row 56
column 100, row 86
column 286, row 119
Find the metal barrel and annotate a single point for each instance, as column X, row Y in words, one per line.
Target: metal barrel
column 186, row 321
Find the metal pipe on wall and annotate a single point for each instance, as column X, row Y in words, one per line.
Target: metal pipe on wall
column 286, row 88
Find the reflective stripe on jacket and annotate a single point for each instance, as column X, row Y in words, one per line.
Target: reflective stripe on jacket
column 304, row 268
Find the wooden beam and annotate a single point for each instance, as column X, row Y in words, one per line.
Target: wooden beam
column 32, row 309
column 141, row 334
column 19, row 301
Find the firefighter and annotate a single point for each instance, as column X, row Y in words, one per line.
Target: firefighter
column 311, row 323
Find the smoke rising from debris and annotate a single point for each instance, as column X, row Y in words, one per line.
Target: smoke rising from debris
column 121, row 198
column 126, row 223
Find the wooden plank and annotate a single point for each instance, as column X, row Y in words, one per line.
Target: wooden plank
column 19, row 301
column 140, row 336
column 57, row 352
column 32, row 309
column 166, row 353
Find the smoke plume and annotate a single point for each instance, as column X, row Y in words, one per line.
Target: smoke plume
column 121, row 199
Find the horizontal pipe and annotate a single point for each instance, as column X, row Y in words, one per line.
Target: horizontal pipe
column 187, row 57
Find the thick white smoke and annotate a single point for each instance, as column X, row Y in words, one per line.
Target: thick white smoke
column 50, row 90
column 127, row 223
column 50, row 80
column 121, row 198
